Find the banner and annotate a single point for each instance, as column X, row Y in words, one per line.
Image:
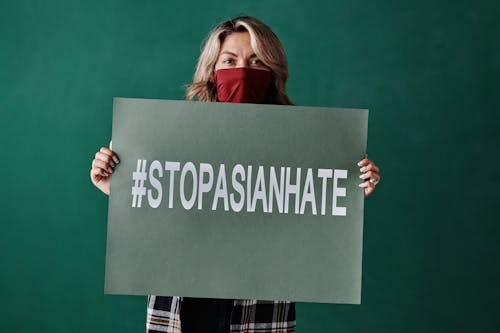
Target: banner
column 231, row 200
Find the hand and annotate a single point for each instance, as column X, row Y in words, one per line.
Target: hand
column 369, row 172
column 102, row 167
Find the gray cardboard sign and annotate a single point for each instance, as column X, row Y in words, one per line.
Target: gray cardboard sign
column 243, row 201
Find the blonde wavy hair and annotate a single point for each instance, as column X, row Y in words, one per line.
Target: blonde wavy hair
column 266, row 46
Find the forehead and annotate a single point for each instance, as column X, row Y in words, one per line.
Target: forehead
column 237, row 42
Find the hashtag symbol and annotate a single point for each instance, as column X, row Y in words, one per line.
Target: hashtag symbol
column 138, row 190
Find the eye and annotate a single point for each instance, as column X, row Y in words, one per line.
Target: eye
column 228, row 61
column 256, row 62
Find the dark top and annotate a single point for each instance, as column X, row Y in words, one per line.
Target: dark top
column 206, row 315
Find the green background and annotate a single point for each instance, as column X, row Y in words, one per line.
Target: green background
column 427, row 70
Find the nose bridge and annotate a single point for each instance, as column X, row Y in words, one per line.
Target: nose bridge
column 242, row 62
column 244, row 58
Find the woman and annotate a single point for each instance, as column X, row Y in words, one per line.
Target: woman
column 242, row 62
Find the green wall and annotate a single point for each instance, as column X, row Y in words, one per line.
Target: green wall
column 427, row 70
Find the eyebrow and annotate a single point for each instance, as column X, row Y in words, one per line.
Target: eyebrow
column 253, row 55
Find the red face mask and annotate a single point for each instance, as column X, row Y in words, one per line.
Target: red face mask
column 242, row 85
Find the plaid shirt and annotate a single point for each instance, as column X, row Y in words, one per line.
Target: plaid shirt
column 248, row 316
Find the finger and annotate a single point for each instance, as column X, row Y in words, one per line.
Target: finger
column 103, row 172
column 101, row 164
column 111, row 160
column 111, row 144
column 369, row 167
column 364, row 161
column 94, row 174
column 96, row 163
column 98, row 174
column 105, row 158
column 365, row 184
column 370, row 174
column 111, row 154
column 100, row 171
column 369, row 190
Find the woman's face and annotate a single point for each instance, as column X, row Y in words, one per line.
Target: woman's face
column 236, row 52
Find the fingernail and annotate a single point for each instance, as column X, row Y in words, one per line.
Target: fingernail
column 362, row 169
column 112, row 164
column 361, row 176
column 359, row 163
column 116, row 159
column 360, row 185
column 110, row 170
